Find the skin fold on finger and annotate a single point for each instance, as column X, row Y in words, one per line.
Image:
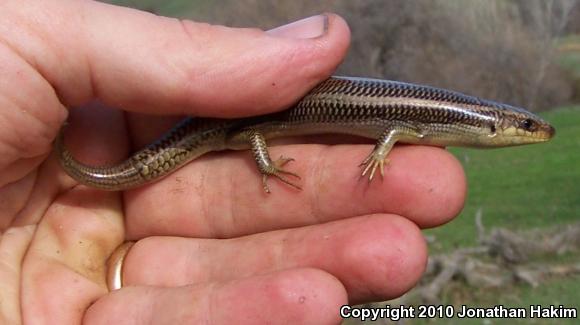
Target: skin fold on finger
column 171, row 68
column 299, row 296
column 64, row 269
column 376, row 257
column 13, row 245
column 31, row 113
column 220, row 196
column 14, row 198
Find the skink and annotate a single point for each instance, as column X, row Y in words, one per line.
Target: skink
column 387, row 111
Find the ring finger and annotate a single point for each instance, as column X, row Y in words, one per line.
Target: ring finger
column 375, row 257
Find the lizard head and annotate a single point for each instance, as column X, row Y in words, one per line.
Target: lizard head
column 516, row 126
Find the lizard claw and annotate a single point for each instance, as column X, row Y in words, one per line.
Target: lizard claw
column 277, row 171
column 372, row 162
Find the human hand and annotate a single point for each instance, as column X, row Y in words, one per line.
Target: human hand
column 211, row 246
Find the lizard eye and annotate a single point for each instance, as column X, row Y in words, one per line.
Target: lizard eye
column 527, row 124
column 492, row 128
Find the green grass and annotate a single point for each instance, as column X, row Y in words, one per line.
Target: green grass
column 520, row 187
column 174, row 8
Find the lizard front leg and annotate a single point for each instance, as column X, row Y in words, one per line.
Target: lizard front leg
column 378, row 157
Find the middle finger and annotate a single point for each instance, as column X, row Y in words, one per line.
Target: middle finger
column 220, row 195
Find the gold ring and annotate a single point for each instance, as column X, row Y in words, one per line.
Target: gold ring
column 115, row 266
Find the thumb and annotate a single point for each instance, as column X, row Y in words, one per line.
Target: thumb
column 145, row 63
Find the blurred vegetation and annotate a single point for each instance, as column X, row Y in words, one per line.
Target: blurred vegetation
column 569, row 60
column 563, row 291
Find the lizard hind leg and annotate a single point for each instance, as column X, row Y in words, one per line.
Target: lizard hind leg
column 266, row 166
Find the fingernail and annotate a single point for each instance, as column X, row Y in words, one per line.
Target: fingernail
column 310, row 27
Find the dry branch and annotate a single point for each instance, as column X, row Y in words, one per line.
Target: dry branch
column 503, row 258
